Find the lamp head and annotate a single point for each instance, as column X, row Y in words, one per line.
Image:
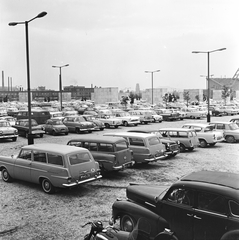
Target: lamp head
column 12, row 23
column 42, row 14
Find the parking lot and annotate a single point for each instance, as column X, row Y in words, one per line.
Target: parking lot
column 32, row 214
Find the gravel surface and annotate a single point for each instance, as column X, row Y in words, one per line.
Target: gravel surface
column 26, row 212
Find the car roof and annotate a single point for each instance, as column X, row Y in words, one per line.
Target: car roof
column 54, row 148
column 176, row 129
column 197, row 124
column 226, row 179
column 104, row 139
column 129, row 134
column 222, row 122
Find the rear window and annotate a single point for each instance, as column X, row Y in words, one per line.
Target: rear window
column 121, row 146
column 79, row 158
column 136, row 141
column 234, row 207
column 153, row 141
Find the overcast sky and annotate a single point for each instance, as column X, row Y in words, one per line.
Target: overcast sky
column 111, row 43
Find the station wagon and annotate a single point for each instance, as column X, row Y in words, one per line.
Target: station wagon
column 51, row 165
column 187, row 137
column 146, row 147
column 112, row 153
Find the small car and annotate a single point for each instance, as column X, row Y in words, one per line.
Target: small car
column 201, row 205
column 51, row 165
column 229, row 129
column 194, row 113
column 172, row 147
column 187, row 137
column 98, row 125
column 228, row 110
column 143, row 116
column 126, row 118
column 78, row 124
column 112, row 153
column 146, row 147
column 55, row 127
column 109, row 120
column 206, row 135
column 22, row 125
column 7, row 131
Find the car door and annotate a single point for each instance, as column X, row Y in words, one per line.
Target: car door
column 177, row 209
column 210, row 217
column 23, row 166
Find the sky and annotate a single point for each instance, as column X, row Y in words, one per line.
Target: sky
column 111, row 43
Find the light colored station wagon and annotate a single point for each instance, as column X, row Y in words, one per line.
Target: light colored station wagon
column 187, row 137
column 206, row 134
column 146, row 147
column 51, row 165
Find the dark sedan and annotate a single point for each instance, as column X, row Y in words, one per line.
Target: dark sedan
column 22, row 125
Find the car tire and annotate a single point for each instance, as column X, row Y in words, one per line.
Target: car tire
column 127, row 223
column 89, row 131
column 53, row 133
column 6, row 176
column 116, row 126
column 47, row 187
column 203, row 143
column 101, row 129
column 107, row 125
column 77, row 130
column 182, row 148
column 126, row 124
column 41, row 135
column 66, row 133
column 190, row 149
column 230, row 139
column 212, row 144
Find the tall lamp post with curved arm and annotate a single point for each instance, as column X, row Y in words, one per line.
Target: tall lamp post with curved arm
column 152, row 76
column 208, row 79
column 60, row 82
column 40, row 15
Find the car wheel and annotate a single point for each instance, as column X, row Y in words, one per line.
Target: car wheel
column 41, row 135
column 89, row 131
column 126, row 124
column 66, row 133
column 101, row 129
column 203, row 143
column 116, row 126
column 107, row 125
column 127, row 223
column 230, row 139
column 47, row 187
column 6, row 176
column 53, row 133
column 182, row 148
column 136, row 124
column 190, row 149
column 14, row 139
column 26, row 135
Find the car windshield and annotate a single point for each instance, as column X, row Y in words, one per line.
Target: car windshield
column 208, row 129
column 33, row 121
column 233, row 126
column 80, row 119
column 4, row 124
column 57, row 122
column 57, row 115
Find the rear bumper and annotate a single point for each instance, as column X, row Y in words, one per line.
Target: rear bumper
column 123, row 166
column 154, row 159
column 82, row 181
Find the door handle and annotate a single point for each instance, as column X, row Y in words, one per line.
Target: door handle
column 195, row 216
column 189, row 215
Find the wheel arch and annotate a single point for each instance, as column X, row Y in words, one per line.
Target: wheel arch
column 231, row 235
column 136, row 211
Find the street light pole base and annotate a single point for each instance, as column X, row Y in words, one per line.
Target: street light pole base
column 208, row 117
column 30, row 139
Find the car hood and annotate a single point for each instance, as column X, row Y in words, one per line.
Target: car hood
column 7, row 129
column 144, row 194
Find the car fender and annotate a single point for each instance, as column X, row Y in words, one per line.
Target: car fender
column 166, row 235
column 231, row 235
column 120, row 208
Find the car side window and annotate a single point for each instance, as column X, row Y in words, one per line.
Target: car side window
column 220, row 126
column 55, row 159
column 212, row 202
column 181, row 196
column 39, row 156
column 104, row 147
column 93, row 146
column 234, row 208
column 25, row 154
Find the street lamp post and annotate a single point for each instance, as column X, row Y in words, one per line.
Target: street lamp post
column 60, row 82
column 152, row 76
column 208, row 78
column 40, row 15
